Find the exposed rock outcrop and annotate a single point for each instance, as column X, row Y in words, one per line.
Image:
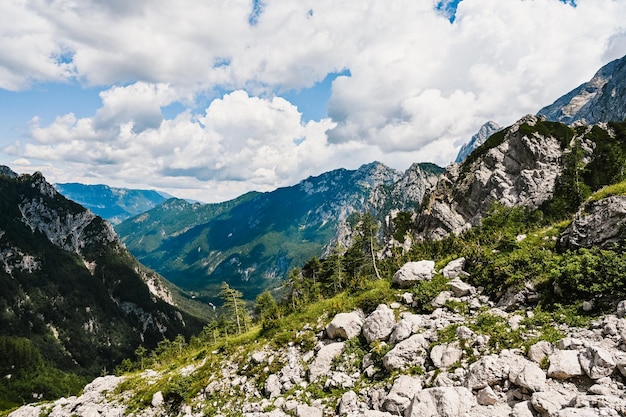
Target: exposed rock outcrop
column 600, row 223
column 518, row 168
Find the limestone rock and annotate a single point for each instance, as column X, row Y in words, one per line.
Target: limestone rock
column 408, row 353
column 540, row 350
column 303, row 410
column 520, row 171
column 409, row 324
column 445, row 355
column 379, row 324
column 402, row 392
column 322, row 363
column 441, row 402
column 348, row 404
column 547, row 402
column 272, row 386
column 487, row 371
column 523, row 409
column 527, row 374
column 460, row 288
column 620, row 311
column 157, row 399
column 345, row 326
column 413, row 272
column 596, row 362
column 486, row 396
column 600, row 223
column 454, row 269
column 564, row 364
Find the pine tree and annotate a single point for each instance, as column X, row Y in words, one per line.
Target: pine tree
column 234, row 306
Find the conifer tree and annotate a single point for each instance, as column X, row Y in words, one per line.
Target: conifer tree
column 234, row 306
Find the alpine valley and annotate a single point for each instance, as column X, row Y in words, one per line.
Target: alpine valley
column 493, row 287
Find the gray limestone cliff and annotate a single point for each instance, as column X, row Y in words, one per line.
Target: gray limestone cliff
column 602, row 99
column 519, row 167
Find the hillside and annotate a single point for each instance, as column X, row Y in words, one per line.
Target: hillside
column 111, row 203
column 522, row 315
column 74, row 302
column 252, row 242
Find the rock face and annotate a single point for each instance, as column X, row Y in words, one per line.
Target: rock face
column 478, row 139
column 518, row 168
column 64, row 271
column 600, row 223
column 602, row 99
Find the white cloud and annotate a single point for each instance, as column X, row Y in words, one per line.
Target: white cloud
column 419, row 86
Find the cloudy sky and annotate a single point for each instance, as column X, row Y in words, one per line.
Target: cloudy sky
column 209, row 99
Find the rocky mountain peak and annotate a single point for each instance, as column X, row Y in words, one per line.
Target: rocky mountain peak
column 478, row 139
column 601, row 99
column 5, row 170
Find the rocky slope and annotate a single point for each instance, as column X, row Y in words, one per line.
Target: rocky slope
column 517, row 166
column 452, row 362
column 110, row 203
column 71, row 288
column 252, row 242
column 602, row 99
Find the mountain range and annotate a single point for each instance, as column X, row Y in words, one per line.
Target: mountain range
column 507, row 296
column 111, row 203
column 252, row 242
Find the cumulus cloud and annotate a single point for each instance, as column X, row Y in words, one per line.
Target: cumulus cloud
column 239, row 143
column 418, row 86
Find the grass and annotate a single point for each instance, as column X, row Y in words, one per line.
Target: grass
column 608, row 191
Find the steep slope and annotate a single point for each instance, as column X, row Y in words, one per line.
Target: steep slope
column 602, row 99
column 110, row 203
column 71, row 288
column 478, row 139
column 252, row 242
column 531, row 163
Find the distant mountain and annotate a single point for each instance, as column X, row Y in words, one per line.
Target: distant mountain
column 71, row 292
column 602, row 99
column 253, row 241
column 110, row 203
column 478, row 139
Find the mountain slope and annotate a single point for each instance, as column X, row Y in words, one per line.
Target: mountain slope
column 252, row 242
column 531, row 163
column 602, row 99
column 71, row 288
column 113, row 204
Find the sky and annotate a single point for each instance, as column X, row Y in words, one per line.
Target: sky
column 207, row 100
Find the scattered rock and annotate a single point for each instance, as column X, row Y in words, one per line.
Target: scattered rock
column 413, row 272
column 596, row 362
column 441, row 402
column 460, row 288
column 402, row 392
column 486, row 396
column 564, row 364
column 540, row 351
column 345, row 326
column 408, row 353
column 157, row 399
column 379, row 324
column 454, row 269
column 322, row 363
column 308, row 411
column 445, row 355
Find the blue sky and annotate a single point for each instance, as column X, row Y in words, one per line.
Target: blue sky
column 212, row 99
